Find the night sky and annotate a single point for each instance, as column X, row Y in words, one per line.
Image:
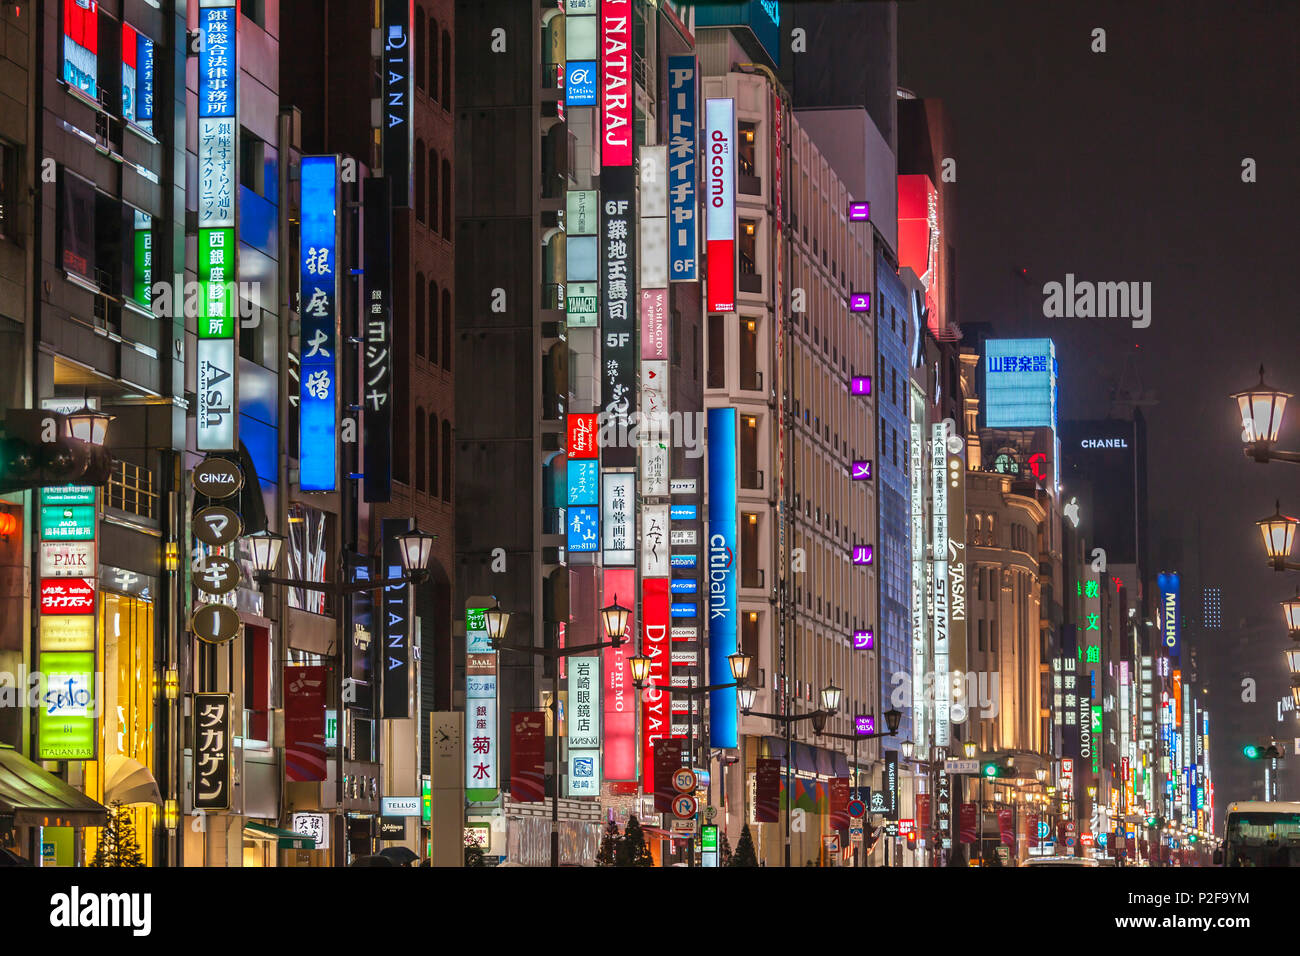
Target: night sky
column 1127, row 166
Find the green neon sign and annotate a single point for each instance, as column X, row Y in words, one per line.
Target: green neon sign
column 73, row 523
column 66, row 720
column 216, row 283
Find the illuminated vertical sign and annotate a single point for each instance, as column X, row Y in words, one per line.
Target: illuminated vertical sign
column 618, row 518
column 939, row 517
column 583, row 722
column 216, row 389
column 396, row 627
column 683, row 235
column 720, row 195
column 616, row 83
column 618, row 306
column 957, row 568
column 396, row 111
column 377, row 373
column 480, row 709
column 656, row 703
column 722, row 570
column 318, row 348
column 917, row 449
column 1168, row 584
column 212, row 749
column 619, row 697
column 81, row 46
column 69, row 705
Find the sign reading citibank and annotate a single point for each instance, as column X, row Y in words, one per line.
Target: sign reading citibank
column 616, row 82
column 720, row 194
column 722, row 573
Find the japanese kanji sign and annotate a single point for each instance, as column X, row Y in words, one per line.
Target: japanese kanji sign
column 377, row 362
column 618, row 311
column 481, row 759
column 682, row 233
column 318, row 349
column 211, row 751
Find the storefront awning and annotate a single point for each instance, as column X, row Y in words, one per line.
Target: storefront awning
column 285, row 839
column 35, row 798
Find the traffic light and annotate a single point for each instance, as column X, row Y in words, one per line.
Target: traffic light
column 37, row 450
column 1259, row 752
column 911, row 839
column 992, row 768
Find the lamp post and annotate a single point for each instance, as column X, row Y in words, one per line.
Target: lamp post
column 640, row 667
column 830, row 700
column 614, row 619
column 892, row 719
column 1261, row 410
column 1278, row 532
column 414, row 549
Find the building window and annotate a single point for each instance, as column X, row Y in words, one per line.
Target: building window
column 421, row 462
column 717, row 370
column 432, row 322
column 446, row 199
column 446, row 329
column 420, row 185
column 433, row 59
column 433, row 190
column 8, row 187
column 308, row 548
column 446, row 460
column 137, row 78
column 981, row 634
column 746, row 149
column 446, row 70
column 748, row 247
column 433, row 455
column 419, row 311
column 750, row 377
column 420, row 53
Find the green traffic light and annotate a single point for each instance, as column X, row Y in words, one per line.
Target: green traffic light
column 1251, row 752
column 989, row 769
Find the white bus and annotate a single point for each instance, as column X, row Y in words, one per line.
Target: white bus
column 1258, row 833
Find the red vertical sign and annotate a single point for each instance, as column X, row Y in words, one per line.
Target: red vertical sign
column 582, row 435
column 839, row 810
column 1031, row 829
column 923, row 814
column 667, row 761
column 767, row 790
column 656, row 705
column 1006, row 825
column 616, row 82
column 619, row 698
column 968, row 817
column 528, row 756
column 304, row 723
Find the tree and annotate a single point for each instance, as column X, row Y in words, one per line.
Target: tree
column 724, row 850
column 609, row 846
column 744, row 855
column 117, row 843
column 473, row 853
column 632, row 850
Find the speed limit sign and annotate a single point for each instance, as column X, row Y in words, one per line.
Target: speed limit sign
column 684, row 780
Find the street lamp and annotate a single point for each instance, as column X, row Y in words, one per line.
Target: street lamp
column 1261, row 418
column 1278, row 532
column 1041, row 774
column 1293, row 660
column 830, row 698
column 1291, row 611
column 614, row 619
column 414, row 548
column 739, row 663
column 907, row 749
column 971, row 749
column 89, row 424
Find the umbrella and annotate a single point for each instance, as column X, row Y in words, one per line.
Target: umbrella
column 400, row 855
column 129, row 781
column 373, row 861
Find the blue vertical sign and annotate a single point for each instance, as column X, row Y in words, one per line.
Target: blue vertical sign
column 682, row 135
column 217, row 68
column 1168, row 583
column 318, row 396
column 721, row 438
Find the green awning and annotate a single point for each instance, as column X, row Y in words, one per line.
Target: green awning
column 35, row 798
column 285, row 839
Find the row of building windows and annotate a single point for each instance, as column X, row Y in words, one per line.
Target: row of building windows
column 427, row 63
column 428, row 450
column 427, row 196
column 433, row 322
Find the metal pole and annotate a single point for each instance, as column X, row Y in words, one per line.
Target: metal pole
column 555, row 778
column 690, row 749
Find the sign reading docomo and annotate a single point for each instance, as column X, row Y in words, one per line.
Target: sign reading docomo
column 215, row 623
column 217, row 478
column 217, row 526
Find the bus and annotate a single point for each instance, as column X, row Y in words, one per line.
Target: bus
column 1259, row 833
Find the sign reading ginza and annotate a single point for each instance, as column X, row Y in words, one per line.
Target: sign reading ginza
column 218, row 147
column 939, row 489
column 377, row 405
column 618, row 338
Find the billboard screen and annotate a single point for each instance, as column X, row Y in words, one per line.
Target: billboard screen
column 1020, row 383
